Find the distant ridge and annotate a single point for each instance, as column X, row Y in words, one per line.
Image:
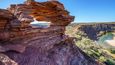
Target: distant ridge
column 88, row 23
column 94, row 30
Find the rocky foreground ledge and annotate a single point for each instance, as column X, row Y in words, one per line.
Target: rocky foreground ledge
column 20, row 44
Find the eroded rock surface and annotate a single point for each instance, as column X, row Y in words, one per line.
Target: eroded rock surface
column 97, row 29
column 24, row 45
column 5, row 60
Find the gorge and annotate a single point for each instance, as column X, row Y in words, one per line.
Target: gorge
column 20, row 44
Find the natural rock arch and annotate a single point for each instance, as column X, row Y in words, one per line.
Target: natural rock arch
column 49, row 46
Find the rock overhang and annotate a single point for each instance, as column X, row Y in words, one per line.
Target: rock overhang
column 52, row 11
column 50, row 46
column 22, row 15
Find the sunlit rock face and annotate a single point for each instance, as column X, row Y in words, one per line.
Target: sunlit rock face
column 5, row 60
column 94, row 31
column 26, row 45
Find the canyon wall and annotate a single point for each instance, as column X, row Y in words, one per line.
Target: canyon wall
column 94, row 31
column 20, row 44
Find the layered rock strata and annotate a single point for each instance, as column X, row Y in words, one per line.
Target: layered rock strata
column 94, row 31
column 24, row 45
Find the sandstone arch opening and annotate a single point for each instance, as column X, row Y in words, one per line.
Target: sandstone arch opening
column 49, row 46
column 40, row 24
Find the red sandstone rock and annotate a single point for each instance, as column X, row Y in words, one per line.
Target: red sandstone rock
column 3, row 15
column 5, row 60
column 41, row 46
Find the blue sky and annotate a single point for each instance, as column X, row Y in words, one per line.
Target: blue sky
column 83, row 10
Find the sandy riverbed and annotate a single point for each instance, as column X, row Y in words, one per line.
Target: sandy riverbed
column 111, row 42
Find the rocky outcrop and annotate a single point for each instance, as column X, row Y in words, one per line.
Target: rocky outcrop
column 5, row 60
column 94, row 31
column 24, row 45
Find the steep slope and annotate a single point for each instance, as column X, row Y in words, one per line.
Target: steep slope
column 25, row 45
column 103, row 53
column 94, row 30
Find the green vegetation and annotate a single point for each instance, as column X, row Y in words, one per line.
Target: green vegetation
column 110, row 62
column 112, row 51
column 92, row 48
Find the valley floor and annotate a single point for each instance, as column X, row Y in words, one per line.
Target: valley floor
column 111, row 42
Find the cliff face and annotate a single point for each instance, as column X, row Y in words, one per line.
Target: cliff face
column 93, row 31
column 21, row 44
